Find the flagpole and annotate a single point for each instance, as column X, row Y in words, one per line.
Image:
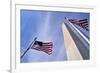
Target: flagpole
column 29, row 47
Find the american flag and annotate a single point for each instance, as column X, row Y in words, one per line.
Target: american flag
column 43, row 46
column 81, row 22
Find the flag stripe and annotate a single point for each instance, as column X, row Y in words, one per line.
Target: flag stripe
column 45, row 49
column 46, row 43
column 83, row 20
column 79, row 22
column 47, row 46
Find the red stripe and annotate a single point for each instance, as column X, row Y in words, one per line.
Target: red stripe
column 79, row 21
column 47, row 46
column 47, row 43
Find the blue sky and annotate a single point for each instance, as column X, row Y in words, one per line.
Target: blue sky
column 46, row 26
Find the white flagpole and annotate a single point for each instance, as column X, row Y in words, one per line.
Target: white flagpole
column 29, row 47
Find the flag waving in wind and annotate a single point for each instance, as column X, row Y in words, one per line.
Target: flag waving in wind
column 80, row 22
column 43, row 46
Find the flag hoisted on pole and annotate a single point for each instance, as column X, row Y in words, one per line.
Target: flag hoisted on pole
column 43, row 46
column 40, row 46
column 80, row 22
